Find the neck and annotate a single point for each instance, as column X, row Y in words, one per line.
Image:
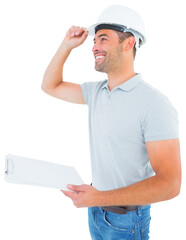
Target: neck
column 118, row 77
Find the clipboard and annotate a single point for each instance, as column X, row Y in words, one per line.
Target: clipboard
column 22, row 170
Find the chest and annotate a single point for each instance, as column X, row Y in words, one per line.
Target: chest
column 116, row 115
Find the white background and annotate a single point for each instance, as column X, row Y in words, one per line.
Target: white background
column 35, row 125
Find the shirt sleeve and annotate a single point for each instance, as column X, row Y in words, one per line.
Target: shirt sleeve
column 160, row 120
column 87, row 89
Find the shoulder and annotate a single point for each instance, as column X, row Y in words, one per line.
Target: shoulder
column 159, row 119
column 89, row 89
column 93, row 85
column 155, row 104
column 152, row 96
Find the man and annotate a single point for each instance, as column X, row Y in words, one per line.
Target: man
column 133, row 129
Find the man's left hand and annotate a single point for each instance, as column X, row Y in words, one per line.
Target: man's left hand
column 83, row 195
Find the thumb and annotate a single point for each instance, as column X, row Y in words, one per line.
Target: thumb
column 81, row 37
column 76, row 188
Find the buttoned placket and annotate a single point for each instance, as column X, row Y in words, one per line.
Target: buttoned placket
column 110, row 92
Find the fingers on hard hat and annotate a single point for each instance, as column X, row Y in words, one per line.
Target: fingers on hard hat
column 76, row 30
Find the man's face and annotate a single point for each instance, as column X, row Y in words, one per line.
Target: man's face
column 107, row 51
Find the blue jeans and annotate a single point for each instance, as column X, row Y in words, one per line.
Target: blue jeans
column 134, row 225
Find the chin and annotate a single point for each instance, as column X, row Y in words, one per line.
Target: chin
column 100, row 69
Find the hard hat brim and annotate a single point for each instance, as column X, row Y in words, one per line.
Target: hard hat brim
column 92, row 28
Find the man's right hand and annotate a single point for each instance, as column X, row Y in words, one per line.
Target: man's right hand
column 75, row 36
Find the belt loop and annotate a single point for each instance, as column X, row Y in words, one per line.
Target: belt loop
column 101, row 209
column 139, row 211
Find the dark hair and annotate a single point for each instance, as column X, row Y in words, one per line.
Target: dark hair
column 124, row 35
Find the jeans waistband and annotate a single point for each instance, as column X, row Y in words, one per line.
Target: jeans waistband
column 123, row 209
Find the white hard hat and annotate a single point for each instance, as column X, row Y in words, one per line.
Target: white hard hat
column 122, row 19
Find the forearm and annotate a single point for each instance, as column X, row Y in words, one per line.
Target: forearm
column 53, row 76
column 151, row 190
column 54, row 73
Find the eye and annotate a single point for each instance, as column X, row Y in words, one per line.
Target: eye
column 103, row 39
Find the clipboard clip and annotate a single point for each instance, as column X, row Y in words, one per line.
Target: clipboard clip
column 9, row 166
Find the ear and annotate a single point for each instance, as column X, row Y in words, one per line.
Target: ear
column 129, row 43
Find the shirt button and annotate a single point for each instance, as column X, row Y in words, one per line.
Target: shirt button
column 133, row 231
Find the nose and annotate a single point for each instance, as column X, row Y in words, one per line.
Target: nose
column 95, row 48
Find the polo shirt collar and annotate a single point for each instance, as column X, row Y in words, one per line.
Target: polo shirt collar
column 128, row 85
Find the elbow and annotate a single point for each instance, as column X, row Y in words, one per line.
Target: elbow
column 44, row 85
column 174, row 193
column 174, row 189
column 48, row 91
column 44, row 88
column 47, row 87
column 177, row 191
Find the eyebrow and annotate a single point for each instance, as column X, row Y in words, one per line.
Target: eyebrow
column 101, row 35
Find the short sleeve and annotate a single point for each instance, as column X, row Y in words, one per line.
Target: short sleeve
column 160, row 120
column 87, row 89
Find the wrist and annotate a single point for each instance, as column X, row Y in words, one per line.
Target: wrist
column 100, row 198
column 65, row 47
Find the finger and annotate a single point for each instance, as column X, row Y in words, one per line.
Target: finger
column 85, row 34
column 69, row 194
column 72, row 29
column 77, row 188
column 77, row 31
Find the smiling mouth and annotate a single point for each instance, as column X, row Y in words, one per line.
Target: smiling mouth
column 98, row 58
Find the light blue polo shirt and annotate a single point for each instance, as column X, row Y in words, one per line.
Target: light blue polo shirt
column 120, row 122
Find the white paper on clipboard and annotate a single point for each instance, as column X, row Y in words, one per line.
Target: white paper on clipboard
column 35, row 172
